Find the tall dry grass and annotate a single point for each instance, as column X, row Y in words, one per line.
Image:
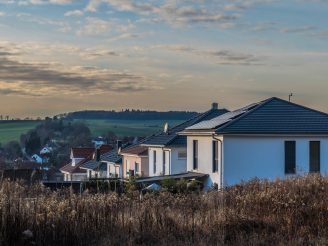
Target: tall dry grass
column 293, row 212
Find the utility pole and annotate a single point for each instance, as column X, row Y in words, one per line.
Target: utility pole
column 290, row 96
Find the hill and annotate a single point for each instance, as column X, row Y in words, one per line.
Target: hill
column 130, row 115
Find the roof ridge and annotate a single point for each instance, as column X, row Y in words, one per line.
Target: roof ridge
column 233, row 121
column 302, row 106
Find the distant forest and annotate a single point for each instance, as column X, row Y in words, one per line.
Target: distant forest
column 131, row 115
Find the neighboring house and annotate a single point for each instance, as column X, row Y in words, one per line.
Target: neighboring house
column 37, row 158
column 79, row 156
column 113, row 159
column 270, row 139
column 99, row 141
column 105, row 163
column 46, row 151
column 167, row 151
column 135, row 161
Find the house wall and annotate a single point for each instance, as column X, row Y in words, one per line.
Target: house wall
column 245, row 158
column 75, row 177
column 113, row 170
column 129, row 164
column 205, row 164
column 173, row 164
column 264, row 157
column 159, row 161
column 178, row 165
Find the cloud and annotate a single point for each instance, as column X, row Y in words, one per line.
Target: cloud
column 95, row 26
column 303, row 29
column 74, row 13
column 39, row 2
column 223, row 57
column 48, row 79
column 2, row 14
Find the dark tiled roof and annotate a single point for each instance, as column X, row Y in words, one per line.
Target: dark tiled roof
column 136, row 150
column 93, row 165
column 272, row 116
column 163, row 139
column 112, row 156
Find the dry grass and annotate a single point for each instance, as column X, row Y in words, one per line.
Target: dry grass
column 293, row 212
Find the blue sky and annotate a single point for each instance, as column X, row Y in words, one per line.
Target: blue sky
column 63, row 55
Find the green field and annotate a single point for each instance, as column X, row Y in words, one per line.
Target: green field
column 128, row 127
column 12, row 130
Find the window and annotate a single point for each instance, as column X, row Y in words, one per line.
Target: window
column 154, row 163
column 182, row 154
column 127, row 167
column 136, row 167
column 314, row 156
column 164, row 161
column 290, row 157
column 215, row 156
column 195, row 154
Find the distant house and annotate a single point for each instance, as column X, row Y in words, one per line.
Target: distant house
column 113, row 160
column 37, row 158
column 269, row 139
column 98, row 141
column 104, row 164
column 73, row 171
column 167, row 151
column 46, row 151
column 135, row 161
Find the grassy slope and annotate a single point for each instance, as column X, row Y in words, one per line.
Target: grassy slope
column 12, row 130
column 128, row 127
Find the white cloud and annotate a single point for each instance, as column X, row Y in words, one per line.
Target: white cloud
column 74, row 13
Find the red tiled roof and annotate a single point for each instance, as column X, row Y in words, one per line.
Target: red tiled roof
column 74, row 169
column 136, row 150
column 82, row 152
column 105, row 148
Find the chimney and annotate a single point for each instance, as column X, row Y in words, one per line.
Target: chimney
column 98, row 154
column 118, row 144
column 215, row 105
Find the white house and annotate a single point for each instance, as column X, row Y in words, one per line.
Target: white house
column 167, row 151
column 98, row 141
column 104, row 165
column 72, row 171
column 38, row 159
column 270, row 139
column 46, row 150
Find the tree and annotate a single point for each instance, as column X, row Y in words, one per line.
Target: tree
column 33, row 143
column 13, row 150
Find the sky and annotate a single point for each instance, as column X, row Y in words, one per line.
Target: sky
column 59, row 56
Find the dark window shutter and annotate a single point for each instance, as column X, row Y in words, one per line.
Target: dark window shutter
column 195, row 154
column 215, row 157
column 315, row 156
column 290, row 157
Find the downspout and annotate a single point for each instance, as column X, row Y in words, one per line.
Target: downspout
column 221, row 160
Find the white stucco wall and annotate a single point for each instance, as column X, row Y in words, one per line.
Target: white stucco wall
column 159, row 161
column 178, row 165
column 245, row 158
column 264, row 157
column 113, row 169
column 205, row 164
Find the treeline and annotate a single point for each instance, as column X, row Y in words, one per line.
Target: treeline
column 131, row 114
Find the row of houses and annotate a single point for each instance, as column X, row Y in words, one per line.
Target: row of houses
column 268, row 139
